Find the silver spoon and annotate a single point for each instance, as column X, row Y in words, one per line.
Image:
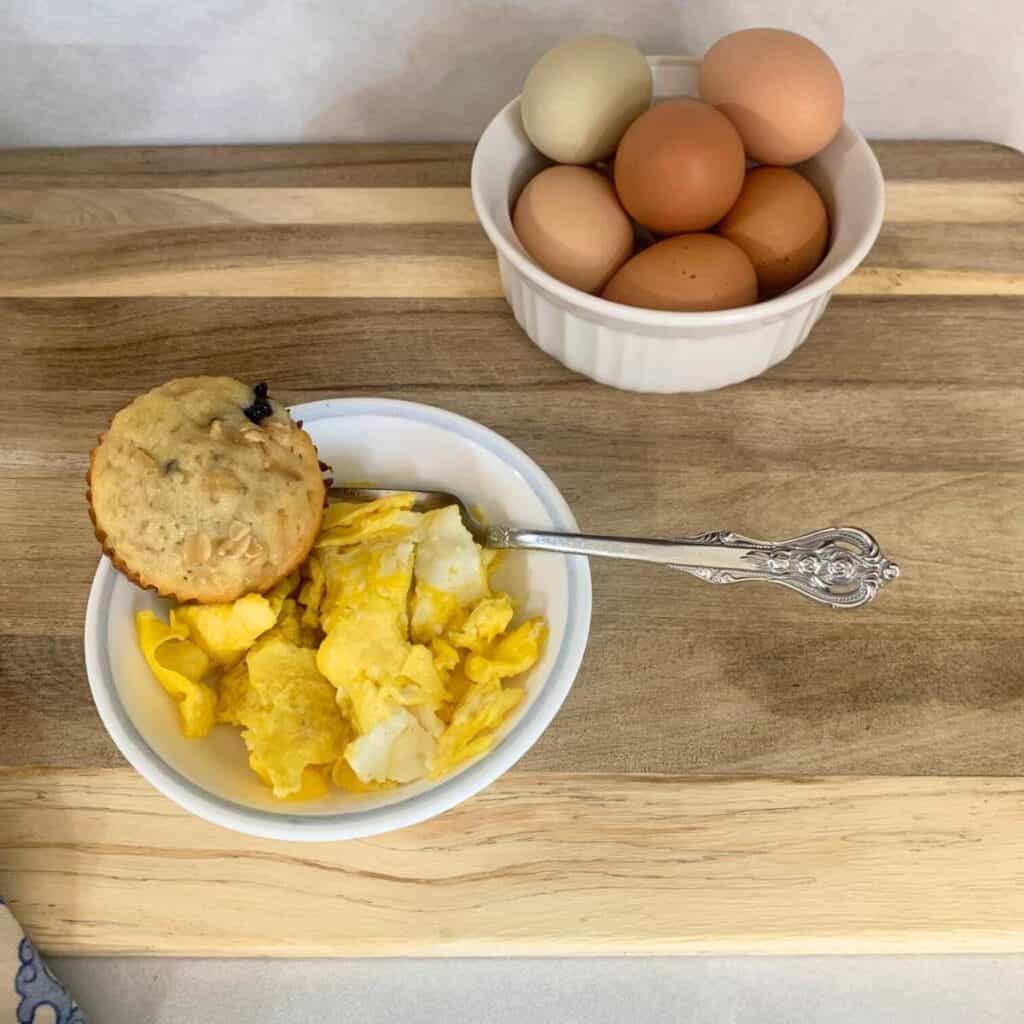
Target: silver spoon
column 840, row 566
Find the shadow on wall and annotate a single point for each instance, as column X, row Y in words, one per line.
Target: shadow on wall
column 463, row 69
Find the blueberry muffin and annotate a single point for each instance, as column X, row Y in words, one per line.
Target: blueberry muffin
column 204, row 490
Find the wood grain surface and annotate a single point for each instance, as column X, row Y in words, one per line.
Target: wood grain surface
column 554, row 863
column 734, row 769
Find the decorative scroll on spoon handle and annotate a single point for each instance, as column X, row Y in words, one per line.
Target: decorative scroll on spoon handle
column 841, row 566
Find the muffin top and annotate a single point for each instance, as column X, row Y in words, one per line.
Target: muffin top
column 205, row 490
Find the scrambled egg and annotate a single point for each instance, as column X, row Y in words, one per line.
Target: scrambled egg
column 387, row 660
column 290, row 717
column 181, row 667
column 226, row 631
column 450, row 573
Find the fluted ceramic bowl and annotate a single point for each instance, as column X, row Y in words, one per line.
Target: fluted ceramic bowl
column 652, row 350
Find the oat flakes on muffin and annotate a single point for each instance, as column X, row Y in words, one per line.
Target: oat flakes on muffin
column 203, row 489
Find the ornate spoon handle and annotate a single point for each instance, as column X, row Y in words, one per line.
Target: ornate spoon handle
column 841, row 566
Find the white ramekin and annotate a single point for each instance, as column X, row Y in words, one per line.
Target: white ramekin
column 651, row 350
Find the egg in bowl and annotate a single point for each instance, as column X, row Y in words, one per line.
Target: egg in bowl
column 383, row 661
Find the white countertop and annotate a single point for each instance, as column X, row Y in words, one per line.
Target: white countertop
column 759, row 990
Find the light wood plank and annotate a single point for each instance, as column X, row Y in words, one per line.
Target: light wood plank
column 415, row 260
column 425, row 278
column 186, row 207
column 97, row 862
column 953, row 202
column 868, row 280
column 945, row 202
column 328, row 277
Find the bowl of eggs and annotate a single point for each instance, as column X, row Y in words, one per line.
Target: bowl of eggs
column 670, row 224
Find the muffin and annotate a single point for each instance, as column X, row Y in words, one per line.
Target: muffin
column 205, row 490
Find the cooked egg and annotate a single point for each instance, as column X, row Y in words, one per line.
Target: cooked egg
column 449, row 572
column 292, row 720
column 332, row 683
column 227, row 631
column 180, row 666
column 377, row 573
column 396, row 750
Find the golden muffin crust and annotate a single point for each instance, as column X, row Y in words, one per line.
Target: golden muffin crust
column 204, row 490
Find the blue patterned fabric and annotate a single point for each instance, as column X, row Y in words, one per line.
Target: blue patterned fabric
column 26, row 984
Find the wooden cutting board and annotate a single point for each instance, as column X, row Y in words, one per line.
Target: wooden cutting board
column 736, row 769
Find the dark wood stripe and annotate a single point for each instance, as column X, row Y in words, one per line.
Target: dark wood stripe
column 965, row 247
column 337, row 165
column 955, row 532
column 833, row 698
column 758, row 427
column 326, row 345
column 391, row 165
column 952, row 161
column 46, row 708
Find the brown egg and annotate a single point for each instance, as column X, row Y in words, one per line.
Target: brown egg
column 687, row 273
column 679, row 167
column 780, row 222
column 780, row 90
column 570, row 221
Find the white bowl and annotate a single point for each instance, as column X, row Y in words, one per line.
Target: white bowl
column 395, row 444
column 651, row 350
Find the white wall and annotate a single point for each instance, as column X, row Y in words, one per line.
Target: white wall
column 155, row 71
